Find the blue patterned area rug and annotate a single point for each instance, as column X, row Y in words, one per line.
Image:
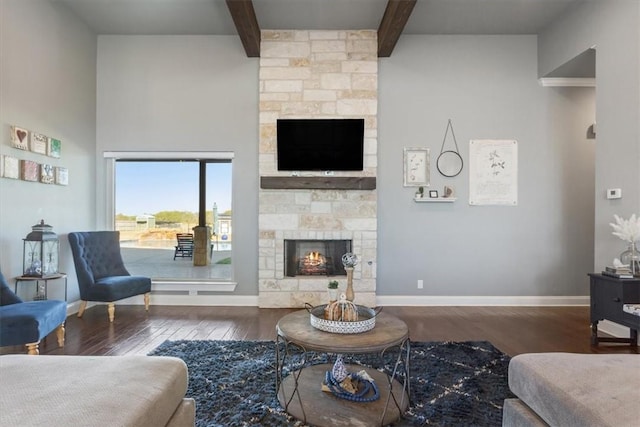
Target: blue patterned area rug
column 452, row 383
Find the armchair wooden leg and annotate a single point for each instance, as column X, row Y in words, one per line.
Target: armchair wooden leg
column 32, row 348
column 60, row 334
column 83, row 306
column 111, row 309
column 146, row 301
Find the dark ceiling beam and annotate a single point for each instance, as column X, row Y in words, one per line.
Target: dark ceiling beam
column 395, row 18
column 244, row 18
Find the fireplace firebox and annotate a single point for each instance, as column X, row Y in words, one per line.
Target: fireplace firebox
column 315, row 257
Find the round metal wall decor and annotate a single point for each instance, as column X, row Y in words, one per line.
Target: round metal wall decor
column 449, row 162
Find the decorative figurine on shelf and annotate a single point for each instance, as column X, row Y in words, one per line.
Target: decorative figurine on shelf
column 420, row 193
column 447, row 192
column 349, row 260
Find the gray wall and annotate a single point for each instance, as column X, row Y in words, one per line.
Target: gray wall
column 185, row 93
column 47, row 84
column 613, row 27
column 201, row 93
column 488, row 87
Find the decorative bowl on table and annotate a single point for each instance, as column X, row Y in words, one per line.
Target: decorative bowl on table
column 366, row 320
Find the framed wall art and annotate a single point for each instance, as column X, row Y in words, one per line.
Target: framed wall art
column 47, row 174
column 30, row 171
column 416, row 167
column 493, row 172
column 55, row 146
column 19, row 138
column 62, row 176
column 39, row 143
column 10, row 167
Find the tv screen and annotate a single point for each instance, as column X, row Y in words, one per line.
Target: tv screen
column 320, row 144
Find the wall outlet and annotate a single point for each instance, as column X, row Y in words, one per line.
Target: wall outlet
column 420, row 284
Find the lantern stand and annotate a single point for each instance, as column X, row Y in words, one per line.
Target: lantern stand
column 40, row 252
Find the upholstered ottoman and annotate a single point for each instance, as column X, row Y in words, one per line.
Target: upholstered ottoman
column 566, row 389
column 65, row 391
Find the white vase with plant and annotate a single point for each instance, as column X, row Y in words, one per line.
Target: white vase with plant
column 332, row 289
column 629, row 231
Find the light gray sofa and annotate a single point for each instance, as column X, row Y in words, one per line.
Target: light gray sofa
column 64, row 391
column 567, row 389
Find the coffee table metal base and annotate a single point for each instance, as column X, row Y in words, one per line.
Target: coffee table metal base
column 309, row 403
column 300, row 392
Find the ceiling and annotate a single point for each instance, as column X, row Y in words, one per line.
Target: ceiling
column 178, row 17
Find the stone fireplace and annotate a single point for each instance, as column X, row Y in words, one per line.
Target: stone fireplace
column 316, row 74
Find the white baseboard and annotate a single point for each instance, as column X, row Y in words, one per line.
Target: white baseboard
column 167, row 298
column 607, row 327
column 181, row 299
column 522, row 301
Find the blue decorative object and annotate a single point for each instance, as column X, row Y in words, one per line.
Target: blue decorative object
column 29, row 322
column 359, row 396
column 339, row 371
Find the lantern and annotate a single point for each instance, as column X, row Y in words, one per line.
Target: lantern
column 40, row 252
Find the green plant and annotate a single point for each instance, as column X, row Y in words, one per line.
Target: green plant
column 333, row 284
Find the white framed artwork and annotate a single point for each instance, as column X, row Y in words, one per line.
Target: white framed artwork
column 62, row 176
column 10, row 167
column 493, row 172
column 416, row 167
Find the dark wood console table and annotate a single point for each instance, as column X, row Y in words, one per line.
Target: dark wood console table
column 608, row 295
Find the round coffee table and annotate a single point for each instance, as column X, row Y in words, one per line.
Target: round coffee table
column 300, row 392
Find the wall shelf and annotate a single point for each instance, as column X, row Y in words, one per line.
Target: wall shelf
column 435, row 200
column 318, row 182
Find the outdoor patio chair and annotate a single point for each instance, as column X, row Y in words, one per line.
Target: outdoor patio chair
column 29, row 322
column 184, row 248
column 101, row 273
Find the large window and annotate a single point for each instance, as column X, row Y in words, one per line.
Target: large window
column 156, row 199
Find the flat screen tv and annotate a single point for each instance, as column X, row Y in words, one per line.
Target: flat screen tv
column 320, row 144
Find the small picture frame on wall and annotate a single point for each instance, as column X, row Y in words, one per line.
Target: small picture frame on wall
column 47, row 174
column 19, row 138
column 10, row 167
column 54, row 148
column 62, row 176
column 433, row 194
column 416, row 167
column 30, row 171
column 39, row 143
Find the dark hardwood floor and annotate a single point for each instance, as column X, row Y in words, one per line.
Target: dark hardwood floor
column 513, row 330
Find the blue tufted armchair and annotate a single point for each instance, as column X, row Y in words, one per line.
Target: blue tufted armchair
column 101, row 273
column 29, row 322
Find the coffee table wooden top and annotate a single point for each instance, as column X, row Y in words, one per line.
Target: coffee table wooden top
column 296, row 328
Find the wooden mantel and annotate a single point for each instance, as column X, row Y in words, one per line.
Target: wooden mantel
column 318, row 182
